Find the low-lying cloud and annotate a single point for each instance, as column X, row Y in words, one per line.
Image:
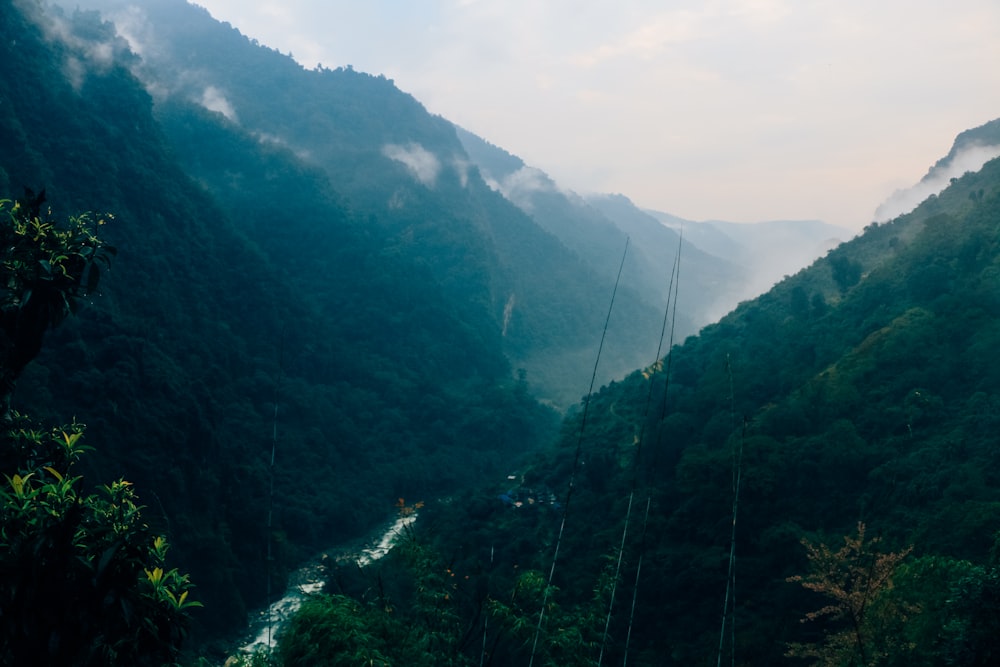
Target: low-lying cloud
column 520, row 185
column 968, row 159
column 83, row 55
column 423, row 164
column 214, row 99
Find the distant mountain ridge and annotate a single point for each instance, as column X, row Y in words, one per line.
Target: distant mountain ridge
column 250, row 316
column 768, row 251
column 430, row 186
column 724, row 263
column 971, row 149
column 858, row 394
column 321, row 291
column 404, row 171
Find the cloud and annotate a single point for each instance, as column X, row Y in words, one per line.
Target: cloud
column 423, row 164
column 801, row 110
column 520, row 185
column 461, row 166
column 649, row 39
column 82, row 55
column 214, row 99
column 132, row 25
column 968, row 159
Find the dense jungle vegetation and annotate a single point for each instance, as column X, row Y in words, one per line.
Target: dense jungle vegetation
column 205, row 322
column 854, row 409
column 366, row 139
column 83, row 580
column 825, row 452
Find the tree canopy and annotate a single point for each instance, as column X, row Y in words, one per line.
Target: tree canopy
column 83, row 579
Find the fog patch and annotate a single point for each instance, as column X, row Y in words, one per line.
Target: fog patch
column 136, row 36
column 423, row 164
column 937, row 179
column 82, row 55
column 268, row 139
column 519, row 186
column 214, row 99
column 132, row 25
column 462, row 167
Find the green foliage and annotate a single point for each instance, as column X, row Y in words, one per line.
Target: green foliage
column 82, row 577
column 846, row 273
column 401, row 621
column 57, row 265
column 970, row 632
column 413, row 608
column 872, row 397
column 45, row 269
column 83, row 580
column 259, row 658
column 878, row 400
column 931, row 611
column 854, row 579
column 570, row 634
column 338, row 631
column 246, row 264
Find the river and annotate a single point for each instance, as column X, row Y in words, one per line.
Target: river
column 309, row 580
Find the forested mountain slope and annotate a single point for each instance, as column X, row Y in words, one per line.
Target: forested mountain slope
column 765, row 251
column 724, row 263
column 591, row 225
column 231, row 331
column 860, row 390
column 400, row 170
column 968, row 152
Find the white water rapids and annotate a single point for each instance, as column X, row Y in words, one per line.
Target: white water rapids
column 309, row 580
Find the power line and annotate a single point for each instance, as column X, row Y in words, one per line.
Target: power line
column 576, row 462
column 270, row 494
column 675, row 284
column 637, row 457
column 727, row 609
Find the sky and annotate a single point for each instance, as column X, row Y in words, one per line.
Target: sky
column 742, row 110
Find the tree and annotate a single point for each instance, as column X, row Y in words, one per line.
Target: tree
column 45, row 270
column 846, row 273
column 83, row 579
column 853, row 578
column 410, row 621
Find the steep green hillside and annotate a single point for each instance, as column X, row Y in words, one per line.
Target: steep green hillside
column 405, row 173
column 724, row 263
column 589, row 226
column 862, row 389
column 218, row 308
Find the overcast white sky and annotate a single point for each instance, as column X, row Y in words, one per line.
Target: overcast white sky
column 742, row 110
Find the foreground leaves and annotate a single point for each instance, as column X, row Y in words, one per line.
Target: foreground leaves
column 82, row 577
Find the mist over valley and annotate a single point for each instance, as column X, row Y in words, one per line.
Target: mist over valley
column 322, row 309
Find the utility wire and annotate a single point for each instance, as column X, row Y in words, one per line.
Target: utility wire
column 675, row 286
column 576, row 462
column 637, row 457
column 486, row 617
column 728, row 610
column 270, row 494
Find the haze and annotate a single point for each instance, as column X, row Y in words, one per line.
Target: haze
column 742, row 110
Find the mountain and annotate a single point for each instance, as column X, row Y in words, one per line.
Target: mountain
column 590, row 225
column 320, row 306
column 241, row 344
column 854, row 404
column 970, row 150
column 723, row 263
column 318, row 278
column 765, row 251
column 406, row 173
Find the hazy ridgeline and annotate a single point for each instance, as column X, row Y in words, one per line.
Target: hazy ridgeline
column 311, row 264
